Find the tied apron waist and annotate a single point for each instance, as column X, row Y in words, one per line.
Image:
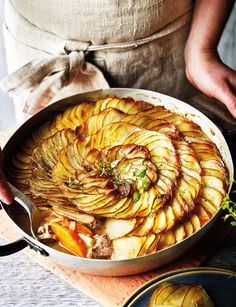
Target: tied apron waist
column 44, row 76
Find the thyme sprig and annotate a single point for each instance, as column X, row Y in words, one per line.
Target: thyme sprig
column 105, row 168
column 138, row 180
column 229, row 205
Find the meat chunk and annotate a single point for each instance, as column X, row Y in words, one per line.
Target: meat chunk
column 102, row 248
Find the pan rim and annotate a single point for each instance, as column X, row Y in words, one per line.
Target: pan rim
column 139, row 92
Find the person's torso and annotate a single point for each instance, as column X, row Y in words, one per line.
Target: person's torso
column 102, row 21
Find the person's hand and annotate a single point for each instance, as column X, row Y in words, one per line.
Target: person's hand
column 207, row 73
column 5, row 191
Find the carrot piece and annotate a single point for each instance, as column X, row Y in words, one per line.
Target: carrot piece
column 64, row 223
column 80, row 228
column 83, row 229
column 69, row 239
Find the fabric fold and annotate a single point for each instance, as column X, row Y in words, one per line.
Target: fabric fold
column 43, row 77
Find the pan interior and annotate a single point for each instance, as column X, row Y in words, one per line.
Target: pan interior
column 18, row 215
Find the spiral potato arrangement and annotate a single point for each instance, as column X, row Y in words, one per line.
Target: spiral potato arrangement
column 153, row 176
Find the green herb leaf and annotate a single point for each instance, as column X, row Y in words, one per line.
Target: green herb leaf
column 230, row 206
column 105, row 168
column 136, row 196
column 140, row 172
column 146, row 184
column 71, row 183
column 229, row 181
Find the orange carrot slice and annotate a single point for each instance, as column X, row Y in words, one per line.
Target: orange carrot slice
column 83, row 229
column 69, row 239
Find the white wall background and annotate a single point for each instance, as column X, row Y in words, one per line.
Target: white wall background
column 7, row 116
column 227, row 50
column 227, row 46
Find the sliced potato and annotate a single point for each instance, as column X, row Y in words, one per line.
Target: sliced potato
column 127, row 247
column 160, row 222
column 212, row 195
column 177, row 296
column 145, row 227
column 73, row 214
column 166, row 239
column 72, row 117
column 116, row 228
column 118, row 206
column 201, row 216
column 127, row 105
column 112, row 135
column 214, row 182
column 182, row 295
column 131, row 210
column 153, row 247
column 197, row 295
column 195, row 220
column 207, row 205
column 179, row 232
column 149, row 241
column 162, row 291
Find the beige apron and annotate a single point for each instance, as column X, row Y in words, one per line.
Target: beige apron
column 74, row 46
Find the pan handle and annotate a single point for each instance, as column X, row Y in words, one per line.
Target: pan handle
column 14, row 247
column 11, row 248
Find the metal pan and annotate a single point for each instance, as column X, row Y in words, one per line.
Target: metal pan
column 98, row 266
